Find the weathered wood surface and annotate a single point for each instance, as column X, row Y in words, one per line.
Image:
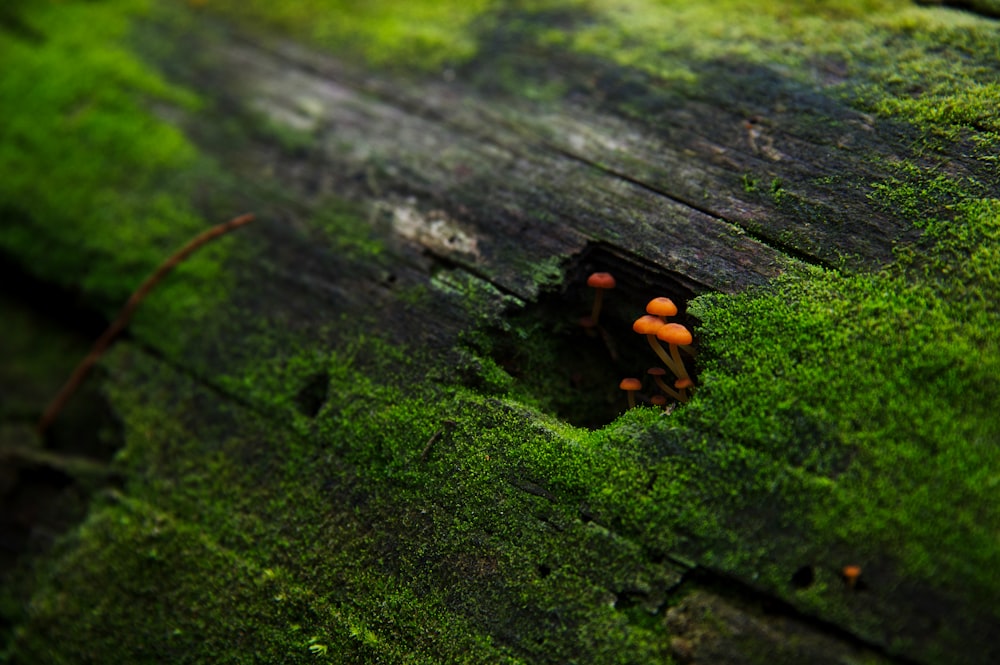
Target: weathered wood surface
column 266, row 477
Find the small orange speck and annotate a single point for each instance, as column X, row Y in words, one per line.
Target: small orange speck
column 851, row 574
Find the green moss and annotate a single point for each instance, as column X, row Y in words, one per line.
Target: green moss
column 396, row 33
column 146, row 554
column 884, row 384
column 226, row 489
column 345, row 230
column 91, row 195
column 943, row 78
column 946, row 80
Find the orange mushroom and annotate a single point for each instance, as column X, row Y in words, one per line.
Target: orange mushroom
column 658, row 373
column 662, row 307
column 851, row 574
column 600, row 282
column 674, row 334
column 658, row 400
column 649, row 325
column 630, row 385
column 683, row 385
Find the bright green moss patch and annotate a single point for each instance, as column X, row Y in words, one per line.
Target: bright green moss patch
column 947, row 79
column 885, row 384
column 422, row 35
column 91, row 195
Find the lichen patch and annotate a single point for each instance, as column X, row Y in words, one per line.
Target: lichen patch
column 435, row 230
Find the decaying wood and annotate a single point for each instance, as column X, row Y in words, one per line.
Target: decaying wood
column 461, row 184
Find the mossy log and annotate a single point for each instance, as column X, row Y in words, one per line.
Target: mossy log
column 369, row 427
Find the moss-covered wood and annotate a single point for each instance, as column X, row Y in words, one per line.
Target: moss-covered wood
column 368, row 427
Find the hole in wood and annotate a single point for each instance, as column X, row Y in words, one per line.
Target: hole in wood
column 803, row 578
column 312, row 395
column 572, row 371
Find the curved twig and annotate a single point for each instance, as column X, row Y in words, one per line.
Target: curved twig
column 125, row 315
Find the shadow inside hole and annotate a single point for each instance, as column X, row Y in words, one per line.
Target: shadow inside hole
column 573, row 372
column 312, row 396
column 803, row 578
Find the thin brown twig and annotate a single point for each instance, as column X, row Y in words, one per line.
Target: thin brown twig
column 125, row 315
column 430, row 442
column 448, row 424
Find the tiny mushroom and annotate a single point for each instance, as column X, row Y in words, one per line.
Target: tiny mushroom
column 658, row 373
column 649, row 326
column 630, row 385
column 851, row 574
column 658, row 400
column 674, row 334
column 600, row 282
column 683, row 385
column 662, row 307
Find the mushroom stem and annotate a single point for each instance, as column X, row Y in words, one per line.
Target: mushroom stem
column 678, row 367
column 599, row 281
column 683, row 385
column 669, row 391
column 674, row 334
column 851, row 574
column 595, row 312
column 657, row 374
column 655, row 345
column 649, row 325
column 630, row 385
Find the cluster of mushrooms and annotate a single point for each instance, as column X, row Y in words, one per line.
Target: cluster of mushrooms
column 658, row 331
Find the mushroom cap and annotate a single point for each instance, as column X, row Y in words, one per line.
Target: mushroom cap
column 674, row 333
column 647, row 325
column 658, row 400
column 601, row 280
column 681, row 384
column 661, row 307
column 630, row 384
column 656, row 371
column 852, row 572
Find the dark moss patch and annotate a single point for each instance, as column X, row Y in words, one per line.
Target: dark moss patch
column 412, row 564
column 45, row 485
